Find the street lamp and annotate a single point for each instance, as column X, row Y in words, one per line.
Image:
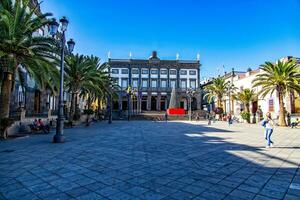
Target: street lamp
column 190, row 93
column 129, row 92
column 53, row 29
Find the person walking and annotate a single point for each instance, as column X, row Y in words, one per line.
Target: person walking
column 229, row 118
column 269, row 130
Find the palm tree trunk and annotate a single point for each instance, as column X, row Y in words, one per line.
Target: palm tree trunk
column 248, row 111
column 99, row 108
column 5, row 95
column 72, row 110
column 282, row 121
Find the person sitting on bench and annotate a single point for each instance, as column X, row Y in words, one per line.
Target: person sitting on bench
column 34, row 126
column 43, row 127
column 295, row 123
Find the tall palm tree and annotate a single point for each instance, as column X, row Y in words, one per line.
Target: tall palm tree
column 216, row 90
column 19, row 47
column 245, row 97
column 87, row 78
column 282, row 77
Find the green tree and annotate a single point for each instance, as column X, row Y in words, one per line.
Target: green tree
column 20, row 48
column 217, row 90
column 86, row 77
column 282, row 77
column 246, row 97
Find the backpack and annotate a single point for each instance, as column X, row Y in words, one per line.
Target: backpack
column 263, row 123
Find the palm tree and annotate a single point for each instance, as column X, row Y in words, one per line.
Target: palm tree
column 18, row 47
column 245, row 97
column 216, row 90
column 282, row 77
column 87, row 78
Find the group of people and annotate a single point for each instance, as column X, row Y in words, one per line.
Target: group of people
column 38, row 124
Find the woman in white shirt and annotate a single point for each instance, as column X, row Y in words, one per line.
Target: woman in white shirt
column 269, row 129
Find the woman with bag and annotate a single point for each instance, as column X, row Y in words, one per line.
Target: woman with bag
column 269, row 127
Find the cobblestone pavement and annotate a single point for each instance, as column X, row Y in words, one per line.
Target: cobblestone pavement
column 153, row 160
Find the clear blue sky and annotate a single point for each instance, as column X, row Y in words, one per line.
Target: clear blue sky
column 234, row 33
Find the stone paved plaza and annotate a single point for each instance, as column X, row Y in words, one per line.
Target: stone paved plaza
column 153, row 160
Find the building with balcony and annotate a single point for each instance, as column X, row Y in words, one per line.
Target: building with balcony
column 152, row 81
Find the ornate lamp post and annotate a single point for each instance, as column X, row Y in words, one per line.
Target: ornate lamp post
column 53, row 28
column 129, row 92
column 190, row 93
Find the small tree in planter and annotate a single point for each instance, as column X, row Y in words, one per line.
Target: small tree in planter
column 245, row 116
column 246, row 97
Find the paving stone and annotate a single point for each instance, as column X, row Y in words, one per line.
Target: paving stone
column 117, row 160
column 91, row 196
column 242, row 194
column 75, row 192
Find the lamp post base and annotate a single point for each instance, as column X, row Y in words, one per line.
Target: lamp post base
column 58, row 138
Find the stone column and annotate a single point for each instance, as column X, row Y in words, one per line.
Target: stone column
column 120, row 101
column 158, row 102
column 149, row 101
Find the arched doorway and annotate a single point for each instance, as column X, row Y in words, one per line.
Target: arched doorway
column 153, row 103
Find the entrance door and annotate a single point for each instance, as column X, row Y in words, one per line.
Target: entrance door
column 37, row 101
column 124, row 103
column 153, row 103
column 254, row 107
column 163, row 103
column 144, row 103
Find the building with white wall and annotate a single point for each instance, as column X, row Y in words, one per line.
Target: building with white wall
column 152, row 80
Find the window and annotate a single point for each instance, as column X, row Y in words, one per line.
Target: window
column 173, row 83
column 193, row 84
column 116, row 80
column 144, row 71
column 163, row 71
column 144, row 83
column 21, row 96
column 154, row 71
column 124, row 71
column 183, row 72
column 192, row 72
column 135, row 83
column 163, row 83
column 183, row 84
column 124, row 83
column 154, row 83
column 173, row 72
column 271, row 105
column 135, row 71
column 52, row 103
column 115, row 71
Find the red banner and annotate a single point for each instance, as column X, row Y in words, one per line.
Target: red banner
column 176, row 111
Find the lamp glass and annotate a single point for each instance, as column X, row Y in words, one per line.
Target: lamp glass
column 53, row 27
column 64, row 23
column 71, row 44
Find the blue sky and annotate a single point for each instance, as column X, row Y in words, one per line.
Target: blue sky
column 233, row 33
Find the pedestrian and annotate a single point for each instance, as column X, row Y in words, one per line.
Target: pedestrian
column 269, row 130
column 209, row 119
column 229, row 118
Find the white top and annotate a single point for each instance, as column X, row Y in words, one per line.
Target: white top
column 270, row 124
